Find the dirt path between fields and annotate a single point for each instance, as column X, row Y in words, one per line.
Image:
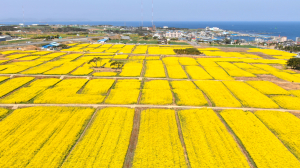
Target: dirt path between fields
column 238, row 141
column 133, row 139
column 114, row 77
column 182, row 140
column 144, row 106
column 81, row 136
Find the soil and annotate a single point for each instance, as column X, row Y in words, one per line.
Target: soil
column 270, row 78
column 247, row 78
column 133, row 139
column 288, row 86
column 234, row 49
column 297, row 114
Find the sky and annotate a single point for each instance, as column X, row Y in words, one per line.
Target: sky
column 164, row 10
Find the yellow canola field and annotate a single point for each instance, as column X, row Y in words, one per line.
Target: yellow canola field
column 294, row 92
column 26, row 94
column 249, row 96
column 105, row 74
column 128, row 84
column 132, row 69
column 196, row 72
column 158, row 141
column 66, row 92
column 13, row 84
column 208, row 143
column 45, row 135
column 141, row 49
column 190, row 97
column 188, row 61
column 267, row 87
column 17, row 67
column 285, row 126
column 219, row 95
column 3, row 112
column 157, row 92
column 156, row 97
column 176, row 72
column 182, row 85
column 106, row 142
column 157, row 85
column 43, row 68
column 251, row 68
column 155, row 69
column 83, row 70
column 64, row 69
column 120, row 57
column 218, row 73
column 123, row 96
column 234, row 71
column 98, row 86
column 29, row 58
column 261, row 144
column 287, row 102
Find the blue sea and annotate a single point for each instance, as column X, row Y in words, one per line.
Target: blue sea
column 289, row 29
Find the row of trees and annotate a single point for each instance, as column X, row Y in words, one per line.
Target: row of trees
column 294, row 63
column 188, row 51
column 288, row 48
column 96, row 62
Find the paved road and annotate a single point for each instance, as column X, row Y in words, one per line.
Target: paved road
column 47, row 42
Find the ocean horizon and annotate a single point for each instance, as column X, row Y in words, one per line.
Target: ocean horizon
column 291, row 29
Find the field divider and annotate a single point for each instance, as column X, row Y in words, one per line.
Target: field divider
column 117, row 77
column 146, row 106
column 238, row 141
column 81, row 136
column 273, row 132
column 133, row 139
column 186, row 157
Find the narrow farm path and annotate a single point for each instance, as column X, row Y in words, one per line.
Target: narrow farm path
column 145, row 106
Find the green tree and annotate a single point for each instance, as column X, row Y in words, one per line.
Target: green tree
column 294, row 63
column 94, row 62
column 118, row 64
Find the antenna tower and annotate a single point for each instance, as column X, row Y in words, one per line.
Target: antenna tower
column 23, row 15
column 152, row 14
column 142, row 13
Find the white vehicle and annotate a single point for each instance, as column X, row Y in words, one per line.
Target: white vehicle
column 298, row 55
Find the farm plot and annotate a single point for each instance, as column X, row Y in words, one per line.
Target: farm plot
column 218, row 93
column 66, row 92
column 13, row 84
column 158, row 141
column 157, row 92
column 197, row 72
column 45, row 135
column 106, row 141
column 262, row 145
column 285, row 126
column 234, row 71
column 249, row 96
column 126, row 91
column 155, row 69
column 267, row 87
column 25, row 94
column 207, row 141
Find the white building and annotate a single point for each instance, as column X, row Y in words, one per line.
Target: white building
column 173, row 34
column 165, row 27
column 297, row 39
column 283, row 39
